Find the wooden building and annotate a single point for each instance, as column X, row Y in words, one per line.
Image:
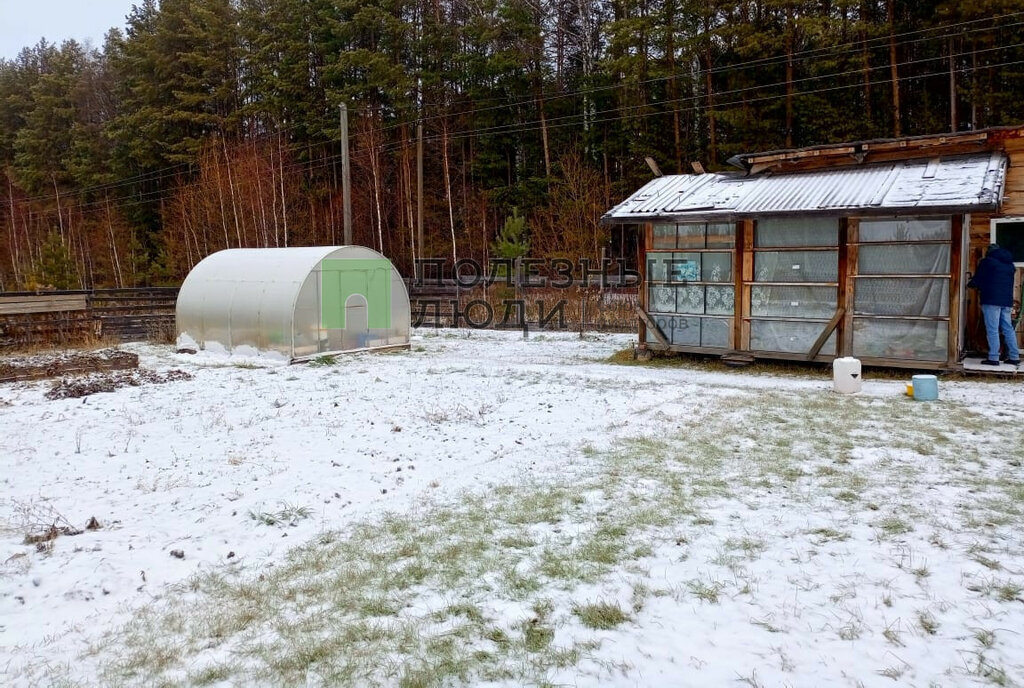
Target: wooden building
column 858, row 249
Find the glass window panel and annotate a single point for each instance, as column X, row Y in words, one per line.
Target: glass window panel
column 796, row 266
column 720, row 300
column 922, row 259
column 690, row 300
column 657, row 267
column 716, row 267
column 721, row 235
column 797, row 231
column 1009, row 234
column 788, row 337
column 715, row 332
column 914, row 340
column 906, row 229
column 901, row 296
column 793, row 302
column 664, row 236
column 685, row 267
column 662, row 299
column 685, row 331
column 691, row 236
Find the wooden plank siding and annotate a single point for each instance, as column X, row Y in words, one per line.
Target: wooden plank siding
column 1013, row 190
column 68, row 317
column 980, row 233
column 18, row 305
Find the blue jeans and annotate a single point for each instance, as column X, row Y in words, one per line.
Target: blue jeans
column 997, row 321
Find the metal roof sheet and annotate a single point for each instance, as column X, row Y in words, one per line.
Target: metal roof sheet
column 961, row 183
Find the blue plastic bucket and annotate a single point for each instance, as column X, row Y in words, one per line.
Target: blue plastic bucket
column 926, row 387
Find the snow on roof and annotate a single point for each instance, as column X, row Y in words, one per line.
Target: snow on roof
column 961, row 184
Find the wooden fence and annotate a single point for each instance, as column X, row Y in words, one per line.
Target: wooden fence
column 580, row 307
column 66, row 317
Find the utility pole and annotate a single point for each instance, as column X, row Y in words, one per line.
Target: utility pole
column 952, row 89
column 346, row 177
column 419, row 197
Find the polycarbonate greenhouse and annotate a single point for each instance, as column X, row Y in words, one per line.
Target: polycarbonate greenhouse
column 296, row 302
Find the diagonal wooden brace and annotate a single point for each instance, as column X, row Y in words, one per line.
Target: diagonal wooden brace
column 829, row 329
column 652, row 327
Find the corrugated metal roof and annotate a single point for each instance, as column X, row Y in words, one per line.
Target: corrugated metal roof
column 952, row 184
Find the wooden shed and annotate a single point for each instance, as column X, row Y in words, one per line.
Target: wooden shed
column 856, row 249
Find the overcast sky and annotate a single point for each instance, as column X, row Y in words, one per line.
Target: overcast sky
column 24, row 22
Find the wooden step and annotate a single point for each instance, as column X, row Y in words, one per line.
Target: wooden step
column 737, row 359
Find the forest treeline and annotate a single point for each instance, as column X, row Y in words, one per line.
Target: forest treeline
column 207, row 124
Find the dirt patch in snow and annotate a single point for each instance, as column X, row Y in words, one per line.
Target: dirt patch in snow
column 108, row 382
column 43, row 366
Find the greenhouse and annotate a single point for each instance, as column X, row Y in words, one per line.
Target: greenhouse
column 297, row 303
column 861, row 249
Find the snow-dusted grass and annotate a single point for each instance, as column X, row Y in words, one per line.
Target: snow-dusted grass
column 632, row 527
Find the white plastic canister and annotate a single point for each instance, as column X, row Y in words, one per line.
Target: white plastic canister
column 846, row 376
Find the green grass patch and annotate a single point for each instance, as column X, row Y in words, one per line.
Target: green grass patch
column 478, row 589
column 601, row 616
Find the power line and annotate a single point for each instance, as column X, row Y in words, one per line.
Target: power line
column 522, row 127
column 384, row 148
column 172, row 171
column 580, row 117
column 505, row 104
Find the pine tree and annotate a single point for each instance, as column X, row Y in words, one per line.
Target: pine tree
column 221, row 116
column 513, row 240
column 178, row 66
column 56, row 269
column 43, row 145
column 284, row 43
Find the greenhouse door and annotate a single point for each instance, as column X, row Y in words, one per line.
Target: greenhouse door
column 357, row 329
column 355, row 299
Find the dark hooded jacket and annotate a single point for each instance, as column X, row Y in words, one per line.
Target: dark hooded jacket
column 994, row 278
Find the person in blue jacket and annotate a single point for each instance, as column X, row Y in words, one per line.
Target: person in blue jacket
column 994, row 279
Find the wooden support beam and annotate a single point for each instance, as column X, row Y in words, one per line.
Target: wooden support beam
column 908, row 363
column 652, row 327
column 956, row 272
column 843, row 284
column 926, row 142
column 643, row 246
column 745, row 249
column 849, row 233
column 789, row 156
column 763, row 167
column 737, row 289
column 829, row 329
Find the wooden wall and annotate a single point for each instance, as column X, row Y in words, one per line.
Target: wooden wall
column 67, row 318
column 980, row 234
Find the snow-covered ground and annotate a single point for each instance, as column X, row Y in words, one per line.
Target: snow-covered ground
column 577, row 523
